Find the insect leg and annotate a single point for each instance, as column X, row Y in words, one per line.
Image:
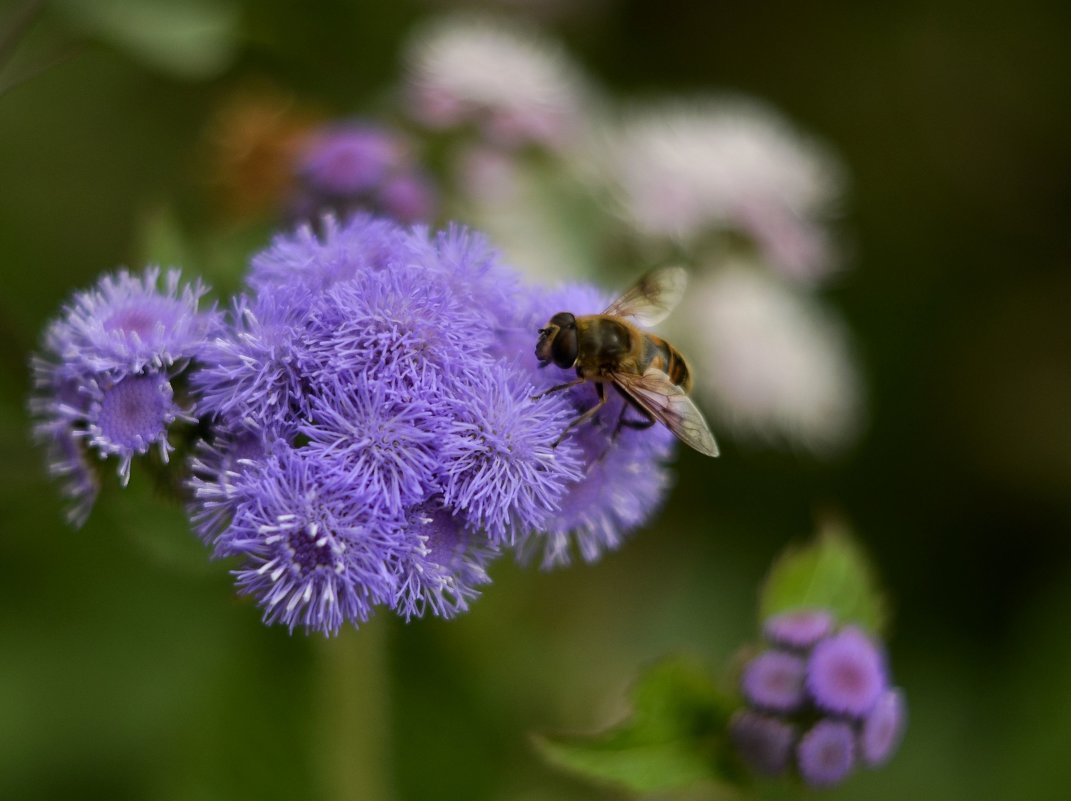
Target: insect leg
column 585, row 416
column 648, row 421
column 559, row 388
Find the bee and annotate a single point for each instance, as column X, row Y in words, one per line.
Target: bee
column 610, row 348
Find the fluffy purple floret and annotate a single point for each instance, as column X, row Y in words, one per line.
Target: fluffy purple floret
column 215, row 470
column 826, row 753
column 443, row 576
column 315, row 552
column 884, row 727
column 128, row 323
column 313, row 260
column 798, row 629
column 129, row 416
column 349, row 159
column 356, row 167
column 774, row 680
column 401, row 327
column 249, row 376
column 500, row 470
column 399, row 362
column 846, row 673
column 102, row 385
column 385, row 447
column 764, row 742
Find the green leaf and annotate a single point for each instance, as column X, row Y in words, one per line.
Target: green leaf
column 831, row 573
column 675, row 737
column 191, row 39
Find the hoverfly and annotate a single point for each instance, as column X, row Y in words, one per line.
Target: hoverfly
column 610, row 348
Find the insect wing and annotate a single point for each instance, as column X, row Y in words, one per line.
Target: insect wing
column 670, row 406
column 650, row 300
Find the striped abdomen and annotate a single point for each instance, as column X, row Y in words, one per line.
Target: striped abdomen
column 660, row 354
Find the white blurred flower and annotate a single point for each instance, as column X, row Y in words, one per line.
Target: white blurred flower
column 515, row 86
column 770, row 359
column 532, row 213
column 687, row 170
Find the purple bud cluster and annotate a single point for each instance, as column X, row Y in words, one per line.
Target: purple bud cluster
column 819, row 701
column 105, row 380
column 350, row 167
column 377, row 435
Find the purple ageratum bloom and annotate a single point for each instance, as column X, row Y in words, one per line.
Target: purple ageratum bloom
column 356, row 167
column 774, row 680
column 103, row 382
column 400, row 326
column 381, row 446
column 500, row 470
column 129, row 416
column 846, row 673
column 315, row 552
column 443, row 575
column 798, row 629
column 884, row 727
column 249, row 374
column 764, row 742
column 127, row 324
column 215, row 470
column 624, row 475
column 348, row 159
column 826, row 753
column 313, row 260
column 390, row 359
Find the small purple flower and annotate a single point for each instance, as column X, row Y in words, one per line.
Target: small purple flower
column 827, row 753
column 353, row 167
column 444, row 574
column 249, row 373
column 215, row 470
column 381, row 447
column 129, row 416
column 764, row 742
column 846, row 673
column 798, row 629
column 831, row 684
column 103, row 384
column 774, row 680
column 348, row 159
column 500, row 469
column 127, row 324
column 408, row 198
column 884, row 727
column 315, row 552
column 396, row 366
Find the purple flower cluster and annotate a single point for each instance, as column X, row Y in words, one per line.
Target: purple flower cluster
column 818, row 700
column 376, row 436
column 104, row 383
column 350, row 167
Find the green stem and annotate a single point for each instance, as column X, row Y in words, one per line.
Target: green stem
column 352, row 702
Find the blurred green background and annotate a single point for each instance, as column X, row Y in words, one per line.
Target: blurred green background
column 129, row 670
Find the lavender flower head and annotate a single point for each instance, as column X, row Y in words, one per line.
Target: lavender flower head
column 356, row 166
column 828, row 688
column 377, row 441
column 884, row 727
column 104, row 383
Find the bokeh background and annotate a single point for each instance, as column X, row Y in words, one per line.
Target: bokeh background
column 129, row 670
